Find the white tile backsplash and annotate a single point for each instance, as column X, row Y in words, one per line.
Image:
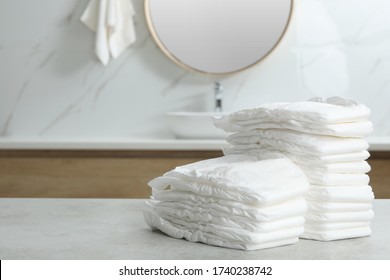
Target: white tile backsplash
column 52, row 86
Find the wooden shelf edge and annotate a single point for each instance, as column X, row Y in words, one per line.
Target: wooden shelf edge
column 134, row 153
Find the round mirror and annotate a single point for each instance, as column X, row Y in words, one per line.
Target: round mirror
column 217, row 36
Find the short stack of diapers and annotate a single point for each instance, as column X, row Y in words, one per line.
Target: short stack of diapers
column 325, row 138
column 235, row 201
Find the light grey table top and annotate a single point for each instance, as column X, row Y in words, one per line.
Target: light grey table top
column 115, row 229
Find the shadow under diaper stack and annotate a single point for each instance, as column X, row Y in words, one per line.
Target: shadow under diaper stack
column 234, row 201
column 325, row 138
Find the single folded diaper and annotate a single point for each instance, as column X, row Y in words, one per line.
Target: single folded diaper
column 277, row 238
column 240, row 171
column 240, row 178
column 361, row 194
column 329, row 235
column 339, row 217
column 295, row 142
column 324, row 226
column 349, row 129
column 306, row 159
column 260, row 193
column 325, row 206
column 317, row 110
column 336, row 179
column 352, row 167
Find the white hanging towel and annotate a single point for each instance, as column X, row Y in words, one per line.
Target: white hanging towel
column 112, row 20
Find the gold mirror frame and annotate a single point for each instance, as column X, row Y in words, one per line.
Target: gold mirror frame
column 178, row 62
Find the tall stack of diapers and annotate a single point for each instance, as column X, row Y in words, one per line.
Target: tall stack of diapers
column 234, row 201
column 325, row 138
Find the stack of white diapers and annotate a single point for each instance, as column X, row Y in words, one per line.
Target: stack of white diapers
column 325, row 139
column 234, row 201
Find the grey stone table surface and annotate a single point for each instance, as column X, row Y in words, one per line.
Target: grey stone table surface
column 114, row 229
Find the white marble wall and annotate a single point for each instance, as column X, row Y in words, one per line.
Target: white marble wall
column 345, row 50
column 53, row 87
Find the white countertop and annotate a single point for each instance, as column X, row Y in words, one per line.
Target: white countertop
column 377, row 143
column 115, row 229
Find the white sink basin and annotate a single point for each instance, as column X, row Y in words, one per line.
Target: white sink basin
column 194, row 125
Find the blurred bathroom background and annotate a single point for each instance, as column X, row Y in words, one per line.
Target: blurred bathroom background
column 53, row 87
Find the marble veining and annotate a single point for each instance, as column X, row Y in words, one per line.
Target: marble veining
column 52, row 85
column 172, row 85
column 5, row 129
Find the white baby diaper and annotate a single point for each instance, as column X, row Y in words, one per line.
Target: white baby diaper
column 226, row 222
column 330, row 235
column 233, row 234
column 249, row 181
column 317, row 110
column 233, row 201
column 316, row 227
column 324, row 206
column 361, row 194
column 228, row 231
column 336, row 179
column 351, row 129
column 324, row 138
column 231, row 207
column 302, row 158
column 244, row 223
column 203, row 212
column 263, row 241
column 240, row 172
column 353, row 167
column 295, row 142
column 339, row 217
column 259, row 193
